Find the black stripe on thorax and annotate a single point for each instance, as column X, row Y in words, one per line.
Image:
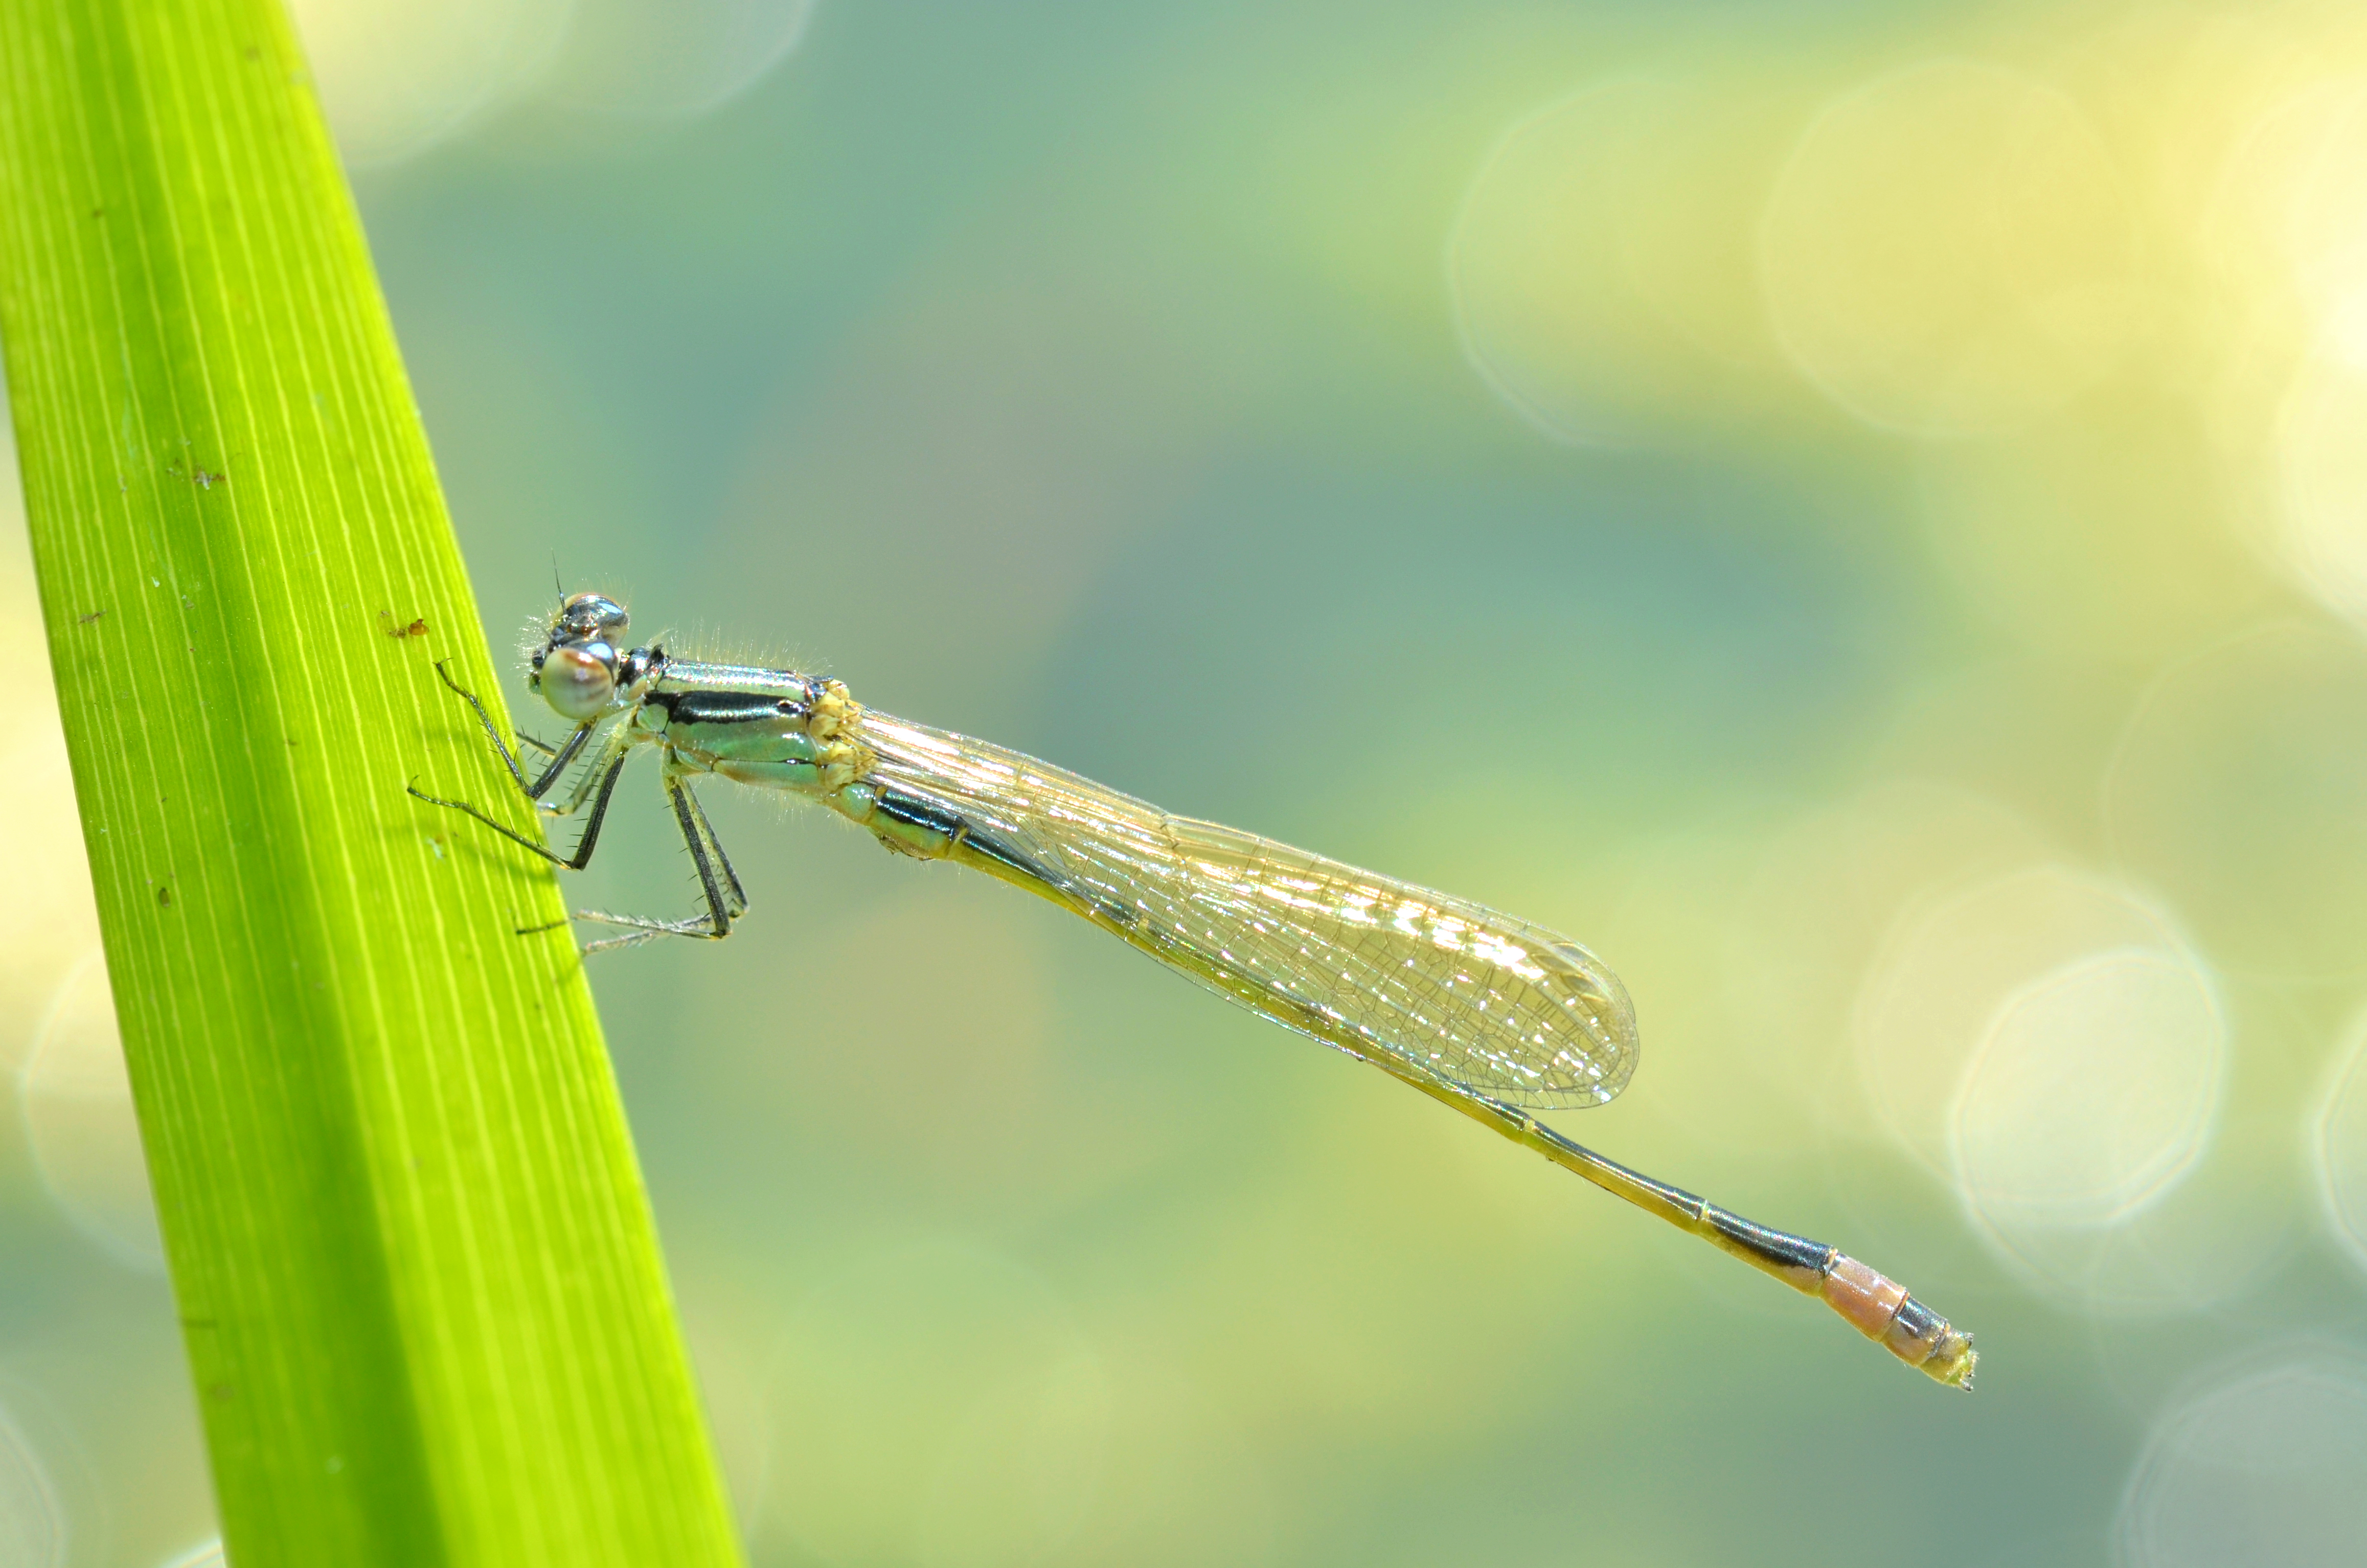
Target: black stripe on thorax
column 726, row 707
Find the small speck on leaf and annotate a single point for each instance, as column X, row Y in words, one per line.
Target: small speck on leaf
column 94, row 614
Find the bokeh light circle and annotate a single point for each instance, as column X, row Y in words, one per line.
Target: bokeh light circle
column 33, row 1520
column 79, row 1120
column 1818, row 904
column 2338, row 1145
column 2321, row 461
column 2235, row 790
column 1932, row 995
column 49, row 919
column 2325, row 205
column 1950, row 251
column 2091, row 1091
column 398, row 76
column 1603, row 265
column 665, row 57
column 1535, row 265
column 2047, row 1045
column 2269, row 1469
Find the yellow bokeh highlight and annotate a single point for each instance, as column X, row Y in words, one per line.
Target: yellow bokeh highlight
column 1817, row 907
column 1950, row 251
column 50, row 920
column 77, row 1103
column 2321, row 454
column 400, row 77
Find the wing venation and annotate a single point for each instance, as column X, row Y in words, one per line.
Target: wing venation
column 1363, row 962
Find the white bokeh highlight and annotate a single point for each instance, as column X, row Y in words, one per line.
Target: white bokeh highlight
column 1934, row 991
column 2048, row 1044
column 2268, row 1469
column 2090, row 1093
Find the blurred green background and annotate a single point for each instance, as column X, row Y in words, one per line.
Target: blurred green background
column 1857, row 512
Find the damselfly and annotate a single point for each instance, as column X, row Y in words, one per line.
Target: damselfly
column 1490, row 1015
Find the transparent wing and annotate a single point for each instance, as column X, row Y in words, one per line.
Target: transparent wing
column 1369, row 965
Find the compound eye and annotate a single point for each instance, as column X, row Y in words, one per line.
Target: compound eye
column 593, row 615
column 578, row 680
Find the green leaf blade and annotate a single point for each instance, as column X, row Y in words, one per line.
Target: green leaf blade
column 420, row 1286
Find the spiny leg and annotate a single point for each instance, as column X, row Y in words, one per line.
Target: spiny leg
column 584, row 781
column 559, row 757
column 575, row 797
column 610, row 766
column 725, row 899
column 620, row 741
column 738, row 901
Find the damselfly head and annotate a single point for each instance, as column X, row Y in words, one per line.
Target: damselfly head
column 576, row 670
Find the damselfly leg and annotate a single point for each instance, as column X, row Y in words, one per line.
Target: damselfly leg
column 560, row 755
column 726, row 899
